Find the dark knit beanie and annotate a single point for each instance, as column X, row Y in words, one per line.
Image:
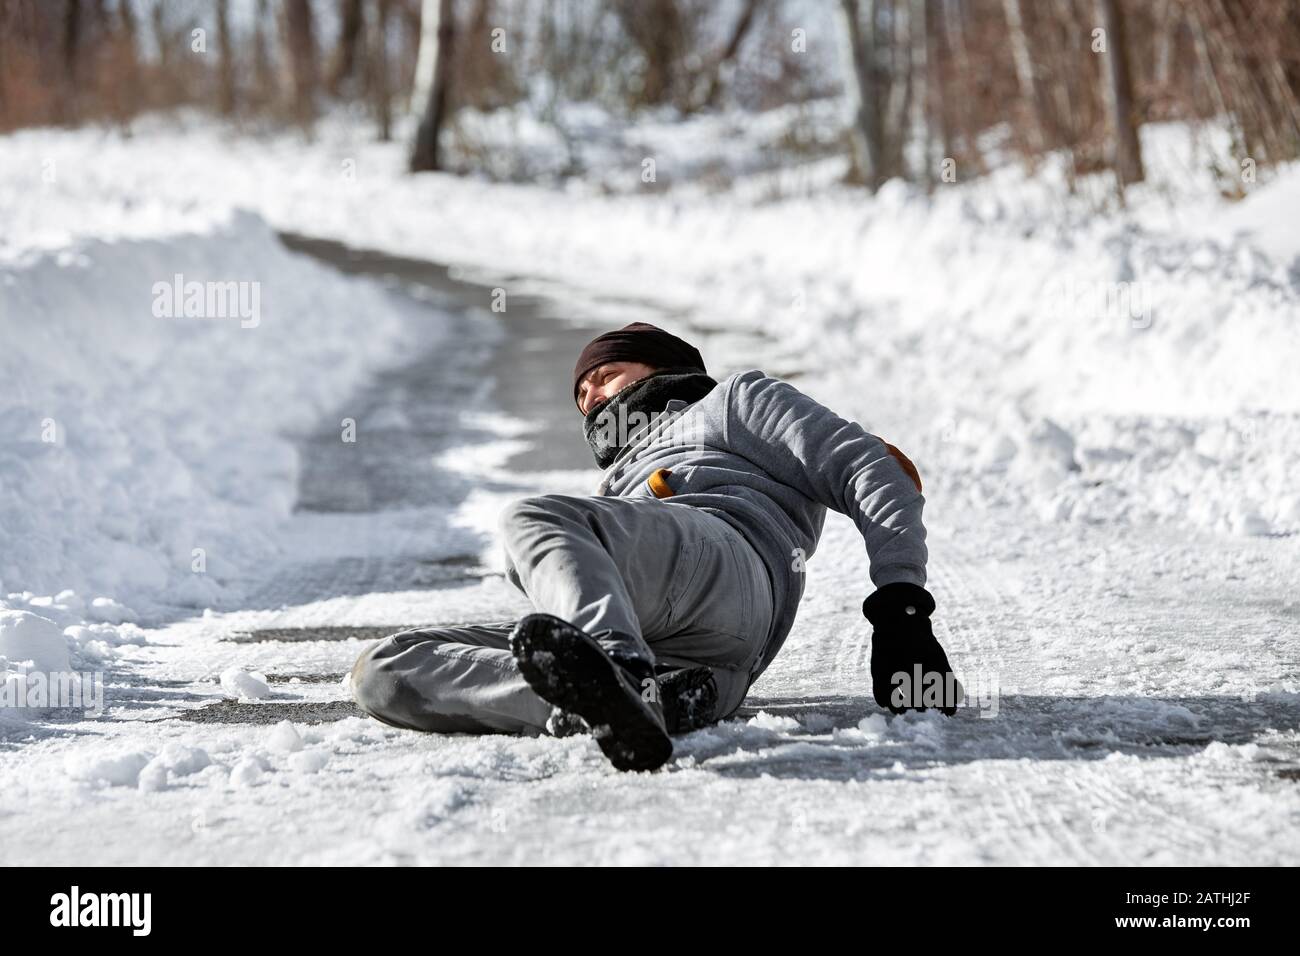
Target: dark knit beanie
column 638, row 342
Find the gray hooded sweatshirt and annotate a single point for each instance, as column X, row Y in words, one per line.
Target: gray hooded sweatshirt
column 769, row 460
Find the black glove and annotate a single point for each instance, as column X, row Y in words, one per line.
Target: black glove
column 901, row 639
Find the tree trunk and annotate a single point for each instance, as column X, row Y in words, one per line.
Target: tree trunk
column 344, row 63
column 263, row 74
column 738, row 34
column 1210, row 77
column 126, row 21
column 432, row 82
column 126, row 100
column 6, row 30
column 380, row 78
column 856, row 46
column 1117, row 86
column 1256, row 113
column 301, row 42
column 1164, row 41
column 919, row 30
column 953, row 26
column 1026, row 77
column 70, row 54
column 898, row 83
column 655, row 26
column 226, row 63
column 1065, row 126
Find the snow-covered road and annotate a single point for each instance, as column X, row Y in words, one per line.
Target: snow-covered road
column 1128, row 682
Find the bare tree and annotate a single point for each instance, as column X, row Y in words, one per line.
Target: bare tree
column 897, row 84
column 351, row 21
column 6, row 30
column 432, row 82
column 482, row 80
column 877, row 49
column 1117, row 89
column 226, row 62
column 720, row 68
column 300, row 41
column 129, row 56
column 958, row 98
column 656, row 27
column 1065, row 124
column 919, row 80
column 126, row 18
column 70, row 49
column 1164, row 42
column 865, row 133
column 1249, row 69
column 1026, row 75
column 263, row 74
column 380, row 80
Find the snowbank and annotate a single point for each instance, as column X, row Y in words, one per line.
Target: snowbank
column 46, row 668
column 143, row 435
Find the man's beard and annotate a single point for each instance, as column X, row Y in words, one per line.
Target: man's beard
column 610, row 425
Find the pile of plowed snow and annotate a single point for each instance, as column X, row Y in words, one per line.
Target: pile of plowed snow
column 150, row 387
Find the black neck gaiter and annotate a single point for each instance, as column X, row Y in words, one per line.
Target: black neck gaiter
column 610, row 425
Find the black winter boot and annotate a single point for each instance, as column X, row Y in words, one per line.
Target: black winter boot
column 618, row 699
column 689, row 696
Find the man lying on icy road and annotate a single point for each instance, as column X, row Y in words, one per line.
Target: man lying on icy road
column 662, row 598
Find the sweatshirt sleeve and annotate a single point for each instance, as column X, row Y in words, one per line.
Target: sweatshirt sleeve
column 835, row 463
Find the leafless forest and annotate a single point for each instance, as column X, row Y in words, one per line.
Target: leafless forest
column 926, row 79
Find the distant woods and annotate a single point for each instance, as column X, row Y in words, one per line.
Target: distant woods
column 929, row 80
column 932, row 85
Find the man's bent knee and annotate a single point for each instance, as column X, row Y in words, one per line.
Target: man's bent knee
column 526, row 512
column 522, row 520
column 376, row 689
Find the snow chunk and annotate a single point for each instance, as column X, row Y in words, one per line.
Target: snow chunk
column 153, row 777
column 248, row 772
column 110, row 612
column 774, row 722
column 29, row 637
column 874, row 726
column 1052, row 444
column 116, row 770
column 1218, row 751
column 284, row 738
column 818, row 723
column 249, row 685
column 1248, row 521
column 309, row 761
column 103, row 642
column 106, row 633
column 182, row 760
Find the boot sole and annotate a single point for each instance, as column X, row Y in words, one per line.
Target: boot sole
column 567, row 668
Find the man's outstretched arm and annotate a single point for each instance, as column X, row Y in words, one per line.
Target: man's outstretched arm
column 840, row 465
column 836, row 463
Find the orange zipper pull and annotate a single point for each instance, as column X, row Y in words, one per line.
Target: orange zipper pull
column 658, row 483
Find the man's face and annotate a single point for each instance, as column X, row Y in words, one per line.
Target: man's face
column 607, row 380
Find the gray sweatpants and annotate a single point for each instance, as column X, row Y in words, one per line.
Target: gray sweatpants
column 667, row 582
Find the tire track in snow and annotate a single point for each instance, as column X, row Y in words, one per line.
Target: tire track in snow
column 953, row 574
column 1081, row 788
